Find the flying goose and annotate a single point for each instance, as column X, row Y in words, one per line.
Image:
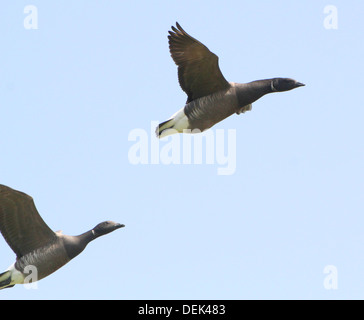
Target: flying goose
column 211, row 98
column 34, row 243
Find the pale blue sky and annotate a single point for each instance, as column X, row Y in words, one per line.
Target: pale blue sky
column 72, row 91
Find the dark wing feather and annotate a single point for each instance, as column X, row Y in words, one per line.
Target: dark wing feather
column 20, row 223
column 198, row 68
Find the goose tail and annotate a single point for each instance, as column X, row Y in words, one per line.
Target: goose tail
column 166, row 128
column 176, row 124
column 5, row 279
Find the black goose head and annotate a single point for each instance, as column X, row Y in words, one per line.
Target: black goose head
column 106, row 227
column 74, row 245
column 285, row 84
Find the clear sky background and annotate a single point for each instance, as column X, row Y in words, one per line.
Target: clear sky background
column 72, row 90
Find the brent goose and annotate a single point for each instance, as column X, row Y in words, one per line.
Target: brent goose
column 211, row 98
column 34, row 243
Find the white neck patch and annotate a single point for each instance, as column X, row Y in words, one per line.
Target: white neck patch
column 272, row 87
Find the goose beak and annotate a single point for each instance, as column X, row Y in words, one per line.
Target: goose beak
column 119, row 226
column 299, row 84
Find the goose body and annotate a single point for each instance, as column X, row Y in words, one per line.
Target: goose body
column 34, row 243
column 211, row 98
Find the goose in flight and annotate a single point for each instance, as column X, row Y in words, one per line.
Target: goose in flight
column 210, row 98
column 34, row 243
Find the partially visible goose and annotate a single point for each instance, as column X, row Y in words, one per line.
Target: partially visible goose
column 211, row 98
column 33, row 242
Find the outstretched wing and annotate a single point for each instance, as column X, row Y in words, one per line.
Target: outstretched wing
column 20, row 223
column 198, row 68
